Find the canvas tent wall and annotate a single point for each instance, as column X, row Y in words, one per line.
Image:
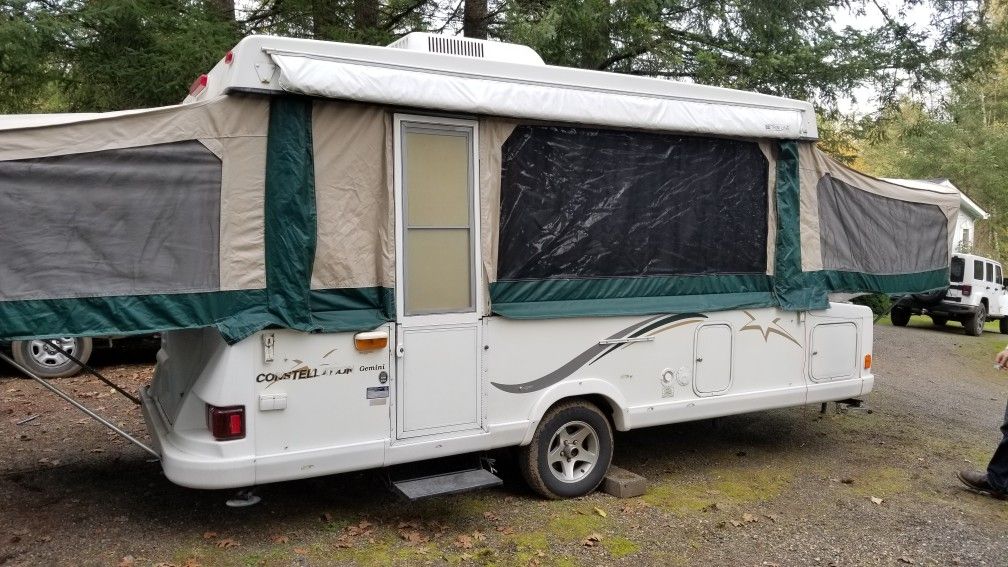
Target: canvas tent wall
column 249, row 211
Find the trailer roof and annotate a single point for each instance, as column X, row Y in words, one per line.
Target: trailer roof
column 474, row 85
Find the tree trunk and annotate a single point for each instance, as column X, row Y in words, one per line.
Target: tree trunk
column 474, row 20
column 324, row 18
column 225, row 9
column 365, row 14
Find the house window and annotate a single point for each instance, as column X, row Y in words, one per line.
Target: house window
column 965, row 238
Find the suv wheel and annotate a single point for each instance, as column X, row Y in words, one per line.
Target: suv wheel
column 975, row 324
column 47, row 362
column 899, row 316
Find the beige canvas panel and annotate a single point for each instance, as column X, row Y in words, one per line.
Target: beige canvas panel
column 222, row 117
column 493, row 133
column 813, row 164
column 353, row 195
column 808, row 206
column 234, row 128
column 242, row 240
column 769, row 150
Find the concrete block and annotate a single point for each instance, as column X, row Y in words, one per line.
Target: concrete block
column 622, row 483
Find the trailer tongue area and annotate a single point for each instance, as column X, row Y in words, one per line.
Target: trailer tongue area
column 48, row 386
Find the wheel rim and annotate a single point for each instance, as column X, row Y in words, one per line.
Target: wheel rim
column 573, row 452
column 47, row 356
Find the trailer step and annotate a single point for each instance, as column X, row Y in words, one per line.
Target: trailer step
column 449, row 483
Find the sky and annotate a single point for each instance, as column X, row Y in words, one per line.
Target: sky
column 864, row 99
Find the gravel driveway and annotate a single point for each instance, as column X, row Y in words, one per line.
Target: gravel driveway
column 785, row 487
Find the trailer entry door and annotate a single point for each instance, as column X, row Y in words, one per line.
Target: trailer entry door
column 437, row 296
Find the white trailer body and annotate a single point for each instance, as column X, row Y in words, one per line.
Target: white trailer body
column 321, row 407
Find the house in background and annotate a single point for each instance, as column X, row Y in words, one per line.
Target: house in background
column 969, row 211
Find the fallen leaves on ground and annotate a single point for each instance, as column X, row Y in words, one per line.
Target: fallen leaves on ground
column 127, row 561
column 600, row 512
column 592, row 540
column 464, row 542
column 749, row 518
column 876, row 500
column 227, row 543
column 209, row 535
column 279, row 538
column 413, row 537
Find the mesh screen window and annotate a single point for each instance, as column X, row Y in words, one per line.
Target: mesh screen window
column 588, row 203
column 130, row 221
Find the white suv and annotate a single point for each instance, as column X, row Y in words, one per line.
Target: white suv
column 976, row 294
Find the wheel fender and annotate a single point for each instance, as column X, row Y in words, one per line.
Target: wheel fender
column 573, row 389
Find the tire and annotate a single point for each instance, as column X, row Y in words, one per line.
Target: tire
column 39, row 357
column 1003, row 325
column 974, row 325
column 899, row 316
column 586, row 431
column 931, row 297
column 939, row 321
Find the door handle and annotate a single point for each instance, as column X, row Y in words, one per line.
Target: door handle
column 699, row 360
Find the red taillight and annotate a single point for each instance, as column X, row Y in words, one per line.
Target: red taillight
column 226, row 423
column 229, row 57
column 198, row 85
column 966, row 290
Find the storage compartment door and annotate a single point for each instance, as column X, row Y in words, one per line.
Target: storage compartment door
column 713, row 367
column 834, row 352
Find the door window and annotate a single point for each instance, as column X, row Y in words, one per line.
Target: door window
column 978, row 269
column 990, row 272
column 997, row 274
column 438, row 223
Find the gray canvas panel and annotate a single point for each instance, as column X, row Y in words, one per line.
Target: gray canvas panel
column 869, row 233
column 128, row 221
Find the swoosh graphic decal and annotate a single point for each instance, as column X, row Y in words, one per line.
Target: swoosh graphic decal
column 647, row 327
column 586, row 357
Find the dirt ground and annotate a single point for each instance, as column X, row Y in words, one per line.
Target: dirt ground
column 777, row 488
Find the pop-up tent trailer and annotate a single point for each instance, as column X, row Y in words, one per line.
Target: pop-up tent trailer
column 440, row 241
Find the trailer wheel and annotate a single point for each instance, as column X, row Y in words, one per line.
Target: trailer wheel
column 939, row 321
column 899, row 316
column 45, row 361
column 570, row 452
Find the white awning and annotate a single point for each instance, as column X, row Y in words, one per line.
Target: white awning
column 570, row 95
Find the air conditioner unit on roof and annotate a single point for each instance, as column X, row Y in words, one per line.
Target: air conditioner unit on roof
column 468, row 47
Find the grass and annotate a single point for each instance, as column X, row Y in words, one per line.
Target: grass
column 620, row 547
column 727, row 487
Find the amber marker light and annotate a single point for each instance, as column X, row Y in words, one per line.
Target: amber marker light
column 372, row 340
column 867, row 361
